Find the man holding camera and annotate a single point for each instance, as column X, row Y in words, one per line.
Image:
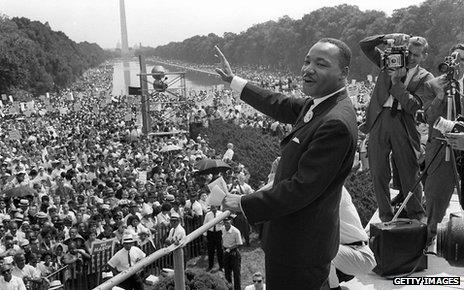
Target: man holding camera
column 390, row 117
column 440, row 182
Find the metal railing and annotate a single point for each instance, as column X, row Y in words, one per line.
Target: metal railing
column 178, row 258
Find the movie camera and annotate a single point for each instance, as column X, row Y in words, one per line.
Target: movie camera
column 450, row 65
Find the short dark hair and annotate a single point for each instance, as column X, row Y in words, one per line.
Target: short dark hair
column 456, row 47
column 344, row 54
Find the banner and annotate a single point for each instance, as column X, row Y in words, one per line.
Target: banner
column 101, row 253
column 102, row 246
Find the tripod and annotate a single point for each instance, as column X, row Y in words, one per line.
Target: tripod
column 451, row 91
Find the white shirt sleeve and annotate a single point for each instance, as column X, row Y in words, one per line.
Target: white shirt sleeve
column 238, row 84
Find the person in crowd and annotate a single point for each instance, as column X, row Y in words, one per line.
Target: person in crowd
column 324, row 135
column 258, row 282
column 354, row 257
column 9, row 281
column 125, row 258
column 231, row 241
column 214, row 239
column 390, row 121
column 229, row 154
column 177, row 232
column 440, row 182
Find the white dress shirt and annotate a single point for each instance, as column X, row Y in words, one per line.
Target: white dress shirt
column 15, row 283
column 120, row 260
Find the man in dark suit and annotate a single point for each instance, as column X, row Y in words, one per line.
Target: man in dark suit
column 391, row 124
column 300, row 211
column 441, row 181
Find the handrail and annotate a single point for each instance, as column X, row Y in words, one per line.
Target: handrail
column 160, row 253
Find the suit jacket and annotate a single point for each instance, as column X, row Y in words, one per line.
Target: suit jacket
column 301, row 210
column 408, row 97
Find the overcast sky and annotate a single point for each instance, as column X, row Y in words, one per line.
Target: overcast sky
column 155, row 22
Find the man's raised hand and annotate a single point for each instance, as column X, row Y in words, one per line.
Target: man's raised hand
column 225, row 72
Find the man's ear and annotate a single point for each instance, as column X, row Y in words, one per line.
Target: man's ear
column 345, row 72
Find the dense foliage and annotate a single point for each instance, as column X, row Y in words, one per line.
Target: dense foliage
column 282, row 44
column 37, row 59
column 252, row 148
column 257, row 151
column 194, row 280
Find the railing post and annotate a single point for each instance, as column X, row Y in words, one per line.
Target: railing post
column 179, row 276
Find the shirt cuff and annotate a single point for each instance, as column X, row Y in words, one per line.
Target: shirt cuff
column 238, row 84
column 241, row 208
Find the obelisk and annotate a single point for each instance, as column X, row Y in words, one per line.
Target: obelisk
column 125, row 47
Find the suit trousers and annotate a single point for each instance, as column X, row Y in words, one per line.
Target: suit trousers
column 389, row 135
column 281, row 276
column 232, row 263
column 439, row 185
column 214, row 244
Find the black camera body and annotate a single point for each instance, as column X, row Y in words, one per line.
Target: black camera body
column 449, row 65
column 394, row 57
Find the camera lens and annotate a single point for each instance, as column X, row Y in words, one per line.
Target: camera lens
column 450, row 240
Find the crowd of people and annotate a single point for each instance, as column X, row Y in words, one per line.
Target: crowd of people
column 76, row 170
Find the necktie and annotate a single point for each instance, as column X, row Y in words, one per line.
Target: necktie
column 128, row 258
column 394, row 109
column 214, row 229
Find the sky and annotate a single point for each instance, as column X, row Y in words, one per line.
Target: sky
column 155, row 22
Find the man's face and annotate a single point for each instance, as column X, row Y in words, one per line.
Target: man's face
column 127, row 246
column 321, row 70
column 416, row 56
column 7, row 275
column 20, row 262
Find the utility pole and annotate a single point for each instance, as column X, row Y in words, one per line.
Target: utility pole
column 124, row 47
column 144, row 88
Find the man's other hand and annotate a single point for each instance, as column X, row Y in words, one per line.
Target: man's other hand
column 397, row 74
column 231, row 202
column 456, row 140
column 225, row 72
column 399, row 38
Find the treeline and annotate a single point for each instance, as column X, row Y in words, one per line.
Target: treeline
column 284, row 43
column 36, row 59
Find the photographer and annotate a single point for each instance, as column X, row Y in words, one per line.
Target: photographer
column 440, row 177
column 390, row 116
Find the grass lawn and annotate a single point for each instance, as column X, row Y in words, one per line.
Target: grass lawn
column 252, row 261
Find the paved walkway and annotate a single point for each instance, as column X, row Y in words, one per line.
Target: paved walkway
column 436, row 266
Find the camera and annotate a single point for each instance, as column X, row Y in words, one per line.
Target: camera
column 450, row 240
column 448, row 126
column 449, row 65
column 159, row 74
column 394, row 57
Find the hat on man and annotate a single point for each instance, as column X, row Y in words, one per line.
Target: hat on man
column 144, row 231
column 170, row 197
column 42, row 215
column 127, row 238
column 175, row 216
column 5, row 267
column 24, row 202
column 55, row 284
column 18, row 217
